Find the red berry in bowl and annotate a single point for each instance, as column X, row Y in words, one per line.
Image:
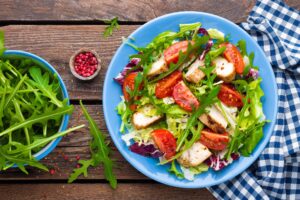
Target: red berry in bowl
column 85, row 64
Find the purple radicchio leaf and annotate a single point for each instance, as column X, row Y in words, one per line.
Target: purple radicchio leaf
column 217, row 163
column 202, row 31
column 148, row 150
column 253, row 73
column 121, row 76
column 207, row 49
column 209, row 44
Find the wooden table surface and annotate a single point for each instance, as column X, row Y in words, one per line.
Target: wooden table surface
column 54, row 30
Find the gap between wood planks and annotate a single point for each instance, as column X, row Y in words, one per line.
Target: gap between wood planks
column 78, row 181
column 82, row 22
column 86, row 102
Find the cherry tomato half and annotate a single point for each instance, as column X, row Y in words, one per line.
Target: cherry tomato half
column 229, row 96
column 171, row 54
column 184, row 97
column 164, row 87
column 213, row 140
column 233, row 55
column 129, row 83
column 165, row 142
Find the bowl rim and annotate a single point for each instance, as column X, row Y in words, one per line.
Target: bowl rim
column 64, row 123
column 152, row 175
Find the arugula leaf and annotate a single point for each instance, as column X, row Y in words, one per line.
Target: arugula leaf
column 41, row 81
column 38, row 118
column 242, row 46
column 10, row 97
column 100, row 153
column 2, row 48
column 112, row 25
column 85, row 164
column 41, row 141
column 175, row 171
column 210, row 77
column 216, row 52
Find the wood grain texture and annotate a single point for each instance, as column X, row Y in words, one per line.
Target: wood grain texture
column 99, row 191
column 126, row 10
column 56, row 44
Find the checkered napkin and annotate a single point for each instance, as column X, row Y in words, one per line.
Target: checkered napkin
column 276, row 173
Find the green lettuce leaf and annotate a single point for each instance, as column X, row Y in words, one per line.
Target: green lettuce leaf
column 215, row 34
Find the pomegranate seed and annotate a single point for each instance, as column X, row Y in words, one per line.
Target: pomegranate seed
column 66, row 157
column 85, row 64
column 52, row 171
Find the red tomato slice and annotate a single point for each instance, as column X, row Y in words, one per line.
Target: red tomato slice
column 171, row 54
column 230, row 97
column 233, row 55
column 129, row 83
column 165, row 142
column 184, row 97
column 164, row 87
column 213, row 140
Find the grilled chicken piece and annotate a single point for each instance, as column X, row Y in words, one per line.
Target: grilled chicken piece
column 224, row 69
column 194, row 74
column 214, row 120
column 230, row 113
column 141, row 120
column 194, row 155
column 158, row 67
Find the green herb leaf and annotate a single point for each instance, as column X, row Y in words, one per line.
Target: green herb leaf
column 112, row 25
column 215, row 34
column 216, row 52
column 175, row 171
column 41, row 81
column 100, row 153
column 183, row 28
column 242, row 46
column 2, row 48
column 85, row 164
column 38, row 118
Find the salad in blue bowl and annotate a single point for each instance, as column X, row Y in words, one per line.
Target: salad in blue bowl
column 192, row 102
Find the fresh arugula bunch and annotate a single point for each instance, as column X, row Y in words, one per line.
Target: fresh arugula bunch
column 100, row 153
column 112, row 25
column 31, row 110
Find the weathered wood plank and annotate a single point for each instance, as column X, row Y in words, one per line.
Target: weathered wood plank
column 56, row 44
column 132, row 10
column 99, row 191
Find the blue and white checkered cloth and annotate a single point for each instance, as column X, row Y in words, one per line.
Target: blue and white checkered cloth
column 276, row 173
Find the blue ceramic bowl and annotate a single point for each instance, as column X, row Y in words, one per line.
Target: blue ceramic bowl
column 44, row 64
column 112, row 91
